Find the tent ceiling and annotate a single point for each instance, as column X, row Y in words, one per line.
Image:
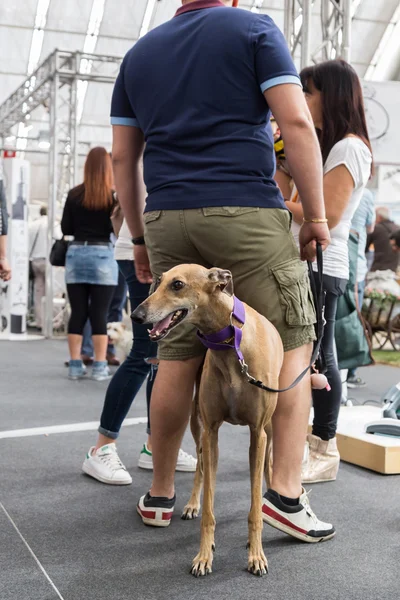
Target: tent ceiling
column 67, row 23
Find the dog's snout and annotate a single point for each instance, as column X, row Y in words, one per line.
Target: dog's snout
column 139, row 315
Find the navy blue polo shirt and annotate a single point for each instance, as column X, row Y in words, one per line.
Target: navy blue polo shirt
column 194, row 85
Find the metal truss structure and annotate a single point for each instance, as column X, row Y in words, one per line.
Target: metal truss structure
column 54, row 86
column 335, row 29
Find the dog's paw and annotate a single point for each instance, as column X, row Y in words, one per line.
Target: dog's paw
column 190, row 512
column 257, row 564
column 202, row 565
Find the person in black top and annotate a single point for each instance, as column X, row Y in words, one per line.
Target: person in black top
column 91, row 273
column 5, row 270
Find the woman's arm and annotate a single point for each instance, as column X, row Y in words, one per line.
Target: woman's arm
column 297, row 211
column 67, row 225
column 338, row 188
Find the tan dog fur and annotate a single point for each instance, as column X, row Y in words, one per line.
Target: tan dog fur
column 224, row 395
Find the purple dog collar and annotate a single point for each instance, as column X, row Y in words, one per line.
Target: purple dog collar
column 214, row 341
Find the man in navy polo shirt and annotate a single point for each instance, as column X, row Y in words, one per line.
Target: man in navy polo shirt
column 195, row 95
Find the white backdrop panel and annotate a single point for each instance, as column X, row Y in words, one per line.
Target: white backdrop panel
column 382, row 101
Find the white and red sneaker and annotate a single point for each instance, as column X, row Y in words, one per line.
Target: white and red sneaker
column 298, row 521
column 156, row 511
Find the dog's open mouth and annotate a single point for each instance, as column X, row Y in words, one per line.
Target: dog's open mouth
column 163, row 327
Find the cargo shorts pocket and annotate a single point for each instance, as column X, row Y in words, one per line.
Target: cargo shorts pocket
column 228, row 211
column 294, row 293
column 152, row 215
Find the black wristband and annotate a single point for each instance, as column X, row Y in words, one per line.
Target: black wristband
column 139, row 241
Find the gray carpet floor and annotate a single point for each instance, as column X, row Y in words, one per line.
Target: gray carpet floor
column 93, row 545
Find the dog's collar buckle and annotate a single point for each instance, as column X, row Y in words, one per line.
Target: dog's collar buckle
column 217, row 341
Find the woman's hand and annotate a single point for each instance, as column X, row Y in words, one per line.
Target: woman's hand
column 309, row 235
column 5, row 269
column 142, row 264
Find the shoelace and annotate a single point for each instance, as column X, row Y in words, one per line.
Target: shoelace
column 309, row 510
column 185, row 456
column 112, row 461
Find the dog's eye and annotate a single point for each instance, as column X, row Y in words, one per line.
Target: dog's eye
column 177, row 285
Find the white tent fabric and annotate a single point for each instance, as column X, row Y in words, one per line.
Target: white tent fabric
column 31, row 29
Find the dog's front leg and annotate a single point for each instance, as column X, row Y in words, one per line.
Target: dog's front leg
column 202, row 563
column 257, row 561
column 192, row 508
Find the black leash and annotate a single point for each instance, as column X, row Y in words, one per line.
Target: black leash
column 318, row 295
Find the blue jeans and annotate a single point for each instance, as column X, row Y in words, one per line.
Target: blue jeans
column 130, row 376
column 114, row 315
column 360, row 294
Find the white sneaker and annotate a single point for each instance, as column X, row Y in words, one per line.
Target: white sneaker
column 186, row 462
column 298, row 521
column 106, row 466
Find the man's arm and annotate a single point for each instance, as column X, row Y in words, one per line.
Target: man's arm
column 304, row 157
column 127, row 151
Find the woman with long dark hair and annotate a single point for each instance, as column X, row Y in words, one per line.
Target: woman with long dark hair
column 91, row 272
column 334, row 97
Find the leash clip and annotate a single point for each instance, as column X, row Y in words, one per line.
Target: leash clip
column 245, row 370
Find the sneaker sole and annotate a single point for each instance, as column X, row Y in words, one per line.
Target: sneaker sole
column 296, row 534
column 354, row 386
column 318, row 480
column 145, row 465
column 88, row 471
column 151, row 521
column 181, row 469
column 101, row 378
column 184, row 469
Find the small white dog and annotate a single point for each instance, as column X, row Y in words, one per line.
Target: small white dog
column 121, row 337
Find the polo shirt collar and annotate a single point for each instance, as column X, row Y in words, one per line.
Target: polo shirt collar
column 198, row 5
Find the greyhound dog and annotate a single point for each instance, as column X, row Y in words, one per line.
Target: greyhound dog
column 204, row 297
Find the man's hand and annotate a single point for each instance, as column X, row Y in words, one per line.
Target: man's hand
column 5, row 269
column 142, row 264
column 310, row 234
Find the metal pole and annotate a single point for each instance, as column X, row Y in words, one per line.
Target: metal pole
column 346, row 40
column 74, row 122
column 305, row 34
column 288, row 26
column 53, row 179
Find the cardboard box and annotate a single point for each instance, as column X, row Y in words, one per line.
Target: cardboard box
column 375, row 452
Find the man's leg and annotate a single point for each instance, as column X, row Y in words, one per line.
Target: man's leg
column 290, row 423
column 170, row 408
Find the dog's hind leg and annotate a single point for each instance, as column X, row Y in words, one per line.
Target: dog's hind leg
column 257, row 561
column 268, row 456
column 202, row 563
column 192, row 508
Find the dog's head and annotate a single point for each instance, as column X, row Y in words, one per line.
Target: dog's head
column 115, row 331
column 180, row 294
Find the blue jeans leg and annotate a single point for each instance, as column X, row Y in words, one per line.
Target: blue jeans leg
column 117, row 306
column 130, row 376
column 87, row 342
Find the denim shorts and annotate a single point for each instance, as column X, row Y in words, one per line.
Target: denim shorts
column 91, row 264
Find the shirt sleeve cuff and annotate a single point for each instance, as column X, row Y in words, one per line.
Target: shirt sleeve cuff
column 269, row 83
column 128, row 121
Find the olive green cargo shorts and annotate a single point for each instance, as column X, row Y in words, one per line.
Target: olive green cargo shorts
column 256, row 245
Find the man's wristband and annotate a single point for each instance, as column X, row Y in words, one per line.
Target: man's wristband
column 315, row 220
column 139, row 241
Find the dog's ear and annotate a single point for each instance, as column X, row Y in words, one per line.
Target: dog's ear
column 223, row 279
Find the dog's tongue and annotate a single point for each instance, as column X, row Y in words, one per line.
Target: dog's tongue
column 161, row 325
